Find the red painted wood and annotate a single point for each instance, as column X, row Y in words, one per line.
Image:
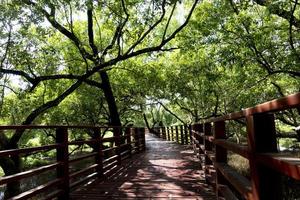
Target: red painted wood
column 177, row 134
column 117, row 133
column 128, row 140
column 208, row 147
column 182, row 142
column 266, row 183
column 98, row 149
column 290, row 166
column 231, row 146
column 62, row 156
column 220, row 154
column 29, row 150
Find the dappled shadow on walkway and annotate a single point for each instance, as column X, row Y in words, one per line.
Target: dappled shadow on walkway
column 165, row 171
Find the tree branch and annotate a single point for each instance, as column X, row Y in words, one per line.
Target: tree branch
column 7, row 47
column 90, row 28
column 168, row 22
column 51, row 18
column 150, row 29
column 169, row 111
column 274, row 9
column 41, row 109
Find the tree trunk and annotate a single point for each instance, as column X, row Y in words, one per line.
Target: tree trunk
column 11, row 166
column 110, row 99
column 151, row 129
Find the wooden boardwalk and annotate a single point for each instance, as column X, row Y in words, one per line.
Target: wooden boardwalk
column 165, row 170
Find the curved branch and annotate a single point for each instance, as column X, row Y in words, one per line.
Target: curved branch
column 41, row 109
column 168, row 22
column 90, row 28
column 280, row 12
column 169, row 111
column 51, row 19
column 150, row 29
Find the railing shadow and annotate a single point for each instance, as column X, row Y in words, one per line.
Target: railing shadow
column 165, row 171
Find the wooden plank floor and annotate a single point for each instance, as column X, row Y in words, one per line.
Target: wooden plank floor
column 165, row 171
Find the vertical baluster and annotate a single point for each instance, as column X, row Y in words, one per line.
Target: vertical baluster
column 128, row 138
column 143, row 139
column 164, row 132
column 98, row 149
column 181, row 135
column 172, row 134
column 62, row 156
column 176, row 132
column 117, row 134
column 266, row 183
column 198, row 129
column 207, row 150
column 190, row 134
column 220, row 153
column 137, row 139
column 186, row 134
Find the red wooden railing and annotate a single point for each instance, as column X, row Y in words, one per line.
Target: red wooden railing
column 132, row 140
column 267, row 165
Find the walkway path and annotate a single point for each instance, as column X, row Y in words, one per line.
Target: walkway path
column 165, row 171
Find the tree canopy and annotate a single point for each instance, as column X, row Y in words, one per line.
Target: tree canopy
column 143, row 62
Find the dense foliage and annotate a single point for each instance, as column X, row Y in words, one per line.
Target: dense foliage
column 143, row 62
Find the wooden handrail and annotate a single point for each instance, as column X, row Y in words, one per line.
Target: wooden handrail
column 284, row 103
column 105, row 160
column 209, row 142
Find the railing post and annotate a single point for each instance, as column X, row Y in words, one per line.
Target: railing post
column 220, row 153
column 192, row 137
column 143, row 139
column 164, row 133
column 198, row 129
column 128, row 138
column 137, row 139
column 186, row 134
column 98, row 149
column 181, row 135
column 190, row 133
column 176, row 132
column 266, row 183
column 62, row 156
column 117, row 134
column 171, row 131
column 168, row 134
column 207, row 149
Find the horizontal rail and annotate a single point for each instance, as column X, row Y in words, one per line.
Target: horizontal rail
column 52, row 195
column 81, row 142
column 30, row 193
column 84, row 180
column 226, row 192
column 122, row 149
column 79, row 158
column 211, row 145
column 240, row 183
column 289, row 166
column 231, row 146
column 284, row 103
column 11, row 152
column 82, row 171
column 23, row 127
column 22, row 175
column 112, row 158
column 109, row 166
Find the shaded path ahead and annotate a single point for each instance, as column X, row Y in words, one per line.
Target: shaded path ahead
column 165, row 170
